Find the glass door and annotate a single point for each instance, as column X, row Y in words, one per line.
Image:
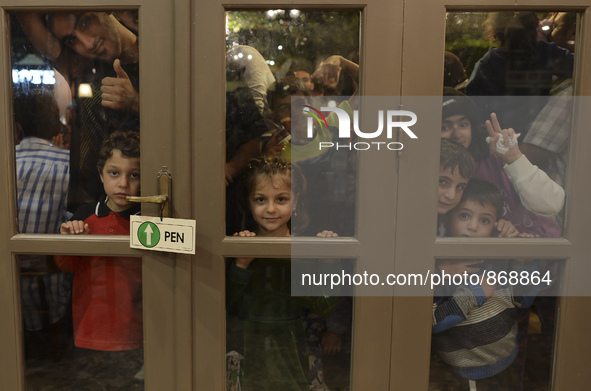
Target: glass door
column 290, row 42
column 72, row 87
column 473, row 35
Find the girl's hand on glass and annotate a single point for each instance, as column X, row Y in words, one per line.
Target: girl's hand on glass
column 327, row 234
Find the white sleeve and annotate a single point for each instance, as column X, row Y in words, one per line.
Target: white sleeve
column 537, row 192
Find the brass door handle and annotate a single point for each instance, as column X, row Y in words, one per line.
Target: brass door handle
column 158, row 199
column 164, row 199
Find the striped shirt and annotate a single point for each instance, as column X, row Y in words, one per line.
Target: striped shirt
column 43, row 176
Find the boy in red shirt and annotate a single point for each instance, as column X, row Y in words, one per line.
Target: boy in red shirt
column 107, row 293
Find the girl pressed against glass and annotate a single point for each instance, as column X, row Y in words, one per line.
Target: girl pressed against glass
column 264, row 321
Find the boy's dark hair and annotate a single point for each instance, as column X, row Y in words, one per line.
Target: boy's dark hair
column 485, row 193
column 269, row 167
column 128, row 142
column 454, row 156
column 37, row 113
column 288, row 86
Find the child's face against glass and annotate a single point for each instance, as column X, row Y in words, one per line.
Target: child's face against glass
column 121, row 178
column 270, row 205
column 451, row 188
column 472, row 219
column 457, row 128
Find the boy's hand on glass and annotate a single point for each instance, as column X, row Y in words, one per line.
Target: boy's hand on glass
column 506, row 229
column 327, row 234
column 245, row 233
column 458, row 266
column 75, row 227
column 494, row 132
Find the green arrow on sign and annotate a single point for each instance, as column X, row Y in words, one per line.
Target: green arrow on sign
column 148, row 234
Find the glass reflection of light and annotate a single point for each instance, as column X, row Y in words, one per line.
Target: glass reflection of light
column 85, row 91
column 34, row 76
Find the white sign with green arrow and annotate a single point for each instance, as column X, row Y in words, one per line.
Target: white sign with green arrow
column 153, row 233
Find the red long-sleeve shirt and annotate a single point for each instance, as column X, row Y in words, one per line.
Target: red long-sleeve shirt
column 107, row 293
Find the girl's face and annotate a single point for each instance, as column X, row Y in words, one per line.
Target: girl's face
column 457, row 128
column 270, row 205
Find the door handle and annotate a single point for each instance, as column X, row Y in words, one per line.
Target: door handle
column 163, row 199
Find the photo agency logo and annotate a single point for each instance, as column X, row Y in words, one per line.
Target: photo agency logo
column 387, row 119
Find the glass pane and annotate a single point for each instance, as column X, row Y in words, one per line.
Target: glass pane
column 76, row 130
column 519, row 66
column 277, row 341
column 275, row 56
column 82, row 322
column 498, row 334
column 75, row 81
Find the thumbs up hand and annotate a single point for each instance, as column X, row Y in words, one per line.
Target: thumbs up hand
column 118, row 92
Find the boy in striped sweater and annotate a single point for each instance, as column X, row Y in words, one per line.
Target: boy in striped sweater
column 473, row 324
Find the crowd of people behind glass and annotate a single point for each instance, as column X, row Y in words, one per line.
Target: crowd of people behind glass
column 267, row 110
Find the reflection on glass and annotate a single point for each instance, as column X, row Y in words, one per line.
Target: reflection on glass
column 497, row 334
column 82, row 322
column 276, row 341
column 88, row 62
column 273, row 57
column 520, row 67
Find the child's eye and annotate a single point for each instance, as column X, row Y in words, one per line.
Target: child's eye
column 442, row 181
column 259, row 200
column 465, row 124
column 463, row 216
column 113, row 173
column 485, row 221
column 135, row 176
column 461, row 187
